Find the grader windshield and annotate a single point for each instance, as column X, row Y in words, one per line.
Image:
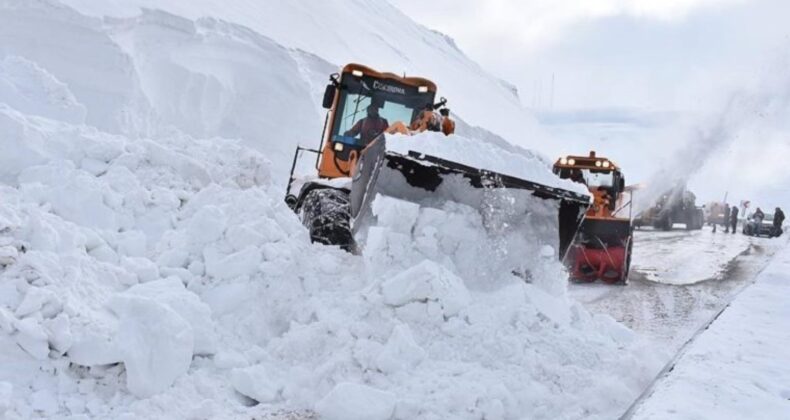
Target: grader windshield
column 598, row 178
column 394, row 101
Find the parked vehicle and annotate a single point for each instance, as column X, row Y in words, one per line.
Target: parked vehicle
column 764, row 228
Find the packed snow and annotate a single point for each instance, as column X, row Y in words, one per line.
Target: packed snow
column 739, row 367
column 680, row 257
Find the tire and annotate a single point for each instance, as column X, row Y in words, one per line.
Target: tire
column 664, row 223
column 326, row 212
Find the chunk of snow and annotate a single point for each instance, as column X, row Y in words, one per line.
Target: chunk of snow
column 95, row 349
column 6, row 391
column 229, row 359
column 172, row 293
column 401, row 351
column 7, row 320
column 132, row 244
column 44, row 401
column 399, row 215
column 255, row 382
column 242, row 263
column 35, row 300
column 8, row 255
column 156, row 344
column 427, row 281
column 352, row 401
column 59, row 333
column 206, row 226
column 143, row 268
column 32, row 338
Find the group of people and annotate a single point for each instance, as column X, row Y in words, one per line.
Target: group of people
column 731, row 219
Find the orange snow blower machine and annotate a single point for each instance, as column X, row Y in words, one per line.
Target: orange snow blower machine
column 602, row 248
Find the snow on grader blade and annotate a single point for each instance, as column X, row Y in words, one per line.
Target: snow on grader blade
column 354, row 166
column 501, row 199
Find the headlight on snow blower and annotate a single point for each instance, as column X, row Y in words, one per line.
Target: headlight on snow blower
column 338, row 147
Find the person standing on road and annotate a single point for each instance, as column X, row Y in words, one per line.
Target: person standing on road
column 726, row 220
column 734, row 218
column 779, row 218
column 758, row 217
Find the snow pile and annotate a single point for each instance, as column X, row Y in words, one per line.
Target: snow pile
column 739, row 365
column 128, row 262
column 151, row 270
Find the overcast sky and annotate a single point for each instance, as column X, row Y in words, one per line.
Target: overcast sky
column 649, row 54
column 686, row 59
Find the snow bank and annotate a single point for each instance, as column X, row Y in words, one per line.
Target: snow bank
column 349, row 401
column 375, row 33
column 739, row 367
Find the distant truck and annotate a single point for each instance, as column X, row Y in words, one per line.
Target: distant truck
column 675, row 206
column 715, row 213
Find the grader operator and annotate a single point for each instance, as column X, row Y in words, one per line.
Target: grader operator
column 602, row 249
column 365, row 108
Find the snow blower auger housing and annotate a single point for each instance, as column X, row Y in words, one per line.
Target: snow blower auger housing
column 366, row 109
column 602, row 249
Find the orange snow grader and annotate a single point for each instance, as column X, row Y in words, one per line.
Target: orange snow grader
column 353, row 164
column 602, row 248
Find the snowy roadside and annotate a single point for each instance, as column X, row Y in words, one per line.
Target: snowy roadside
column 739, row 367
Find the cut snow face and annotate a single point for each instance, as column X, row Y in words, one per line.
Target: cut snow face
column 374, row 31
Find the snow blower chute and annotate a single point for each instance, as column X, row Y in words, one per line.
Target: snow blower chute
column 357, row 159
column 602, row 249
